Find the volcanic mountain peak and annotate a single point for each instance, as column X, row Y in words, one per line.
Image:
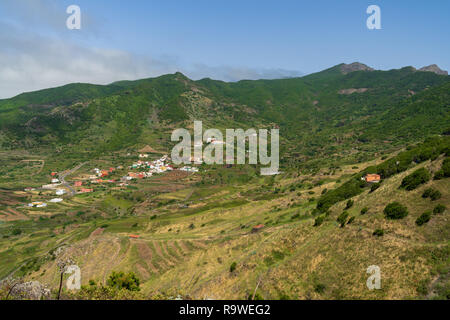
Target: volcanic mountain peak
column 434, row 68
column 355, row 66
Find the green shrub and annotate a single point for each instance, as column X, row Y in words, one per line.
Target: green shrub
column 233, row 266
column 342, row 218
column 347, row 190
column 319, row 220
column 351, row 220
column 424, row 218
column 427, row 192
column 120, row 280
column 319, row 288
column 257, row 297
column 418, row 177
column 422, row 287
column 395, row 210
column 439, row 209
column 435, row 195
column 284, row 296
column 432, row 193
column 446, row 167
column 374, row 186
column 364, row 210
column 349, row 204
column 16, row 232
column 378, row 232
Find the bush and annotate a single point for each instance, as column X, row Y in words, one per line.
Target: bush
column 284, row 296
column 427, row 193
column 395, row 210
column 349, row 204
column 446, row 167
column 257, row 297
column 374, row 186
column 319, row 220
column 378, row 232
column 233, row 266
column 424, row 218
column 120, row 280
column 342, row 218
column 431, row 193
column 347, row 190
column 100, row 292
column 439, row 209
column 319, row 288
column 435, row 195
column 16, row 232
column 364, row 210
column 418, row 177
column 351, row 220
column 439, row 175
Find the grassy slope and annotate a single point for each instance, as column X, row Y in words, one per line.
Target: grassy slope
column 191, row 249
column 290, row 256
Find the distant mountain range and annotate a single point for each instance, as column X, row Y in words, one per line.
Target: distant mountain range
column 318, row 114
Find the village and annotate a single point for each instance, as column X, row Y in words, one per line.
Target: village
column 111, row 176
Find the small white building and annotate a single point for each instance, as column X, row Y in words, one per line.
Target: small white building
column 60, row 192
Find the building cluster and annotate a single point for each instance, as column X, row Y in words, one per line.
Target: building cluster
column 149, row 168
column 189, row 169
column 141, row 169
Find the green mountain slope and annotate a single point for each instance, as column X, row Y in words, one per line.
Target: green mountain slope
column 318, row 114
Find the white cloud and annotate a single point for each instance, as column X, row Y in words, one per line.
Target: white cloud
column 30, row 61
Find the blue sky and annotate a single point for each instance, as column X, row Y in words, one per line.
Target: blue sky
column 228, row 40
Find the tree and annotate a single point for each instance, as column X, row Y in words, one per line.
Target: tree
column 319, row 220
column 439, row 209
column 378, row 232
column 395, row 210
column 424, row 218
column 120, row 280
column 349, row 204
column 342, row 218
column 415, row 179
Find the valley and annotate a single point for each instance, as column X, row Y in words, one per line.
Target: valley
column 211, row 231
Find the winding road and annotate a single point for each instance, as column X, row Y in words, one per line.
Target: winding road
column 62, row 177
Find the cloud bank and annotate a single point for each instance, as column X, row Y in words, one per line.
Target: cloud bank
column 37, row 59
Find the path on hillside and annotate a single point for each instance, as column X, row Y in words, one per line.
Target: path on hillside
column 62, row 177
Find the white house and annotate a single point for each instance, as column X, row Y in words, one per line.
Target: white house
column 60, row 192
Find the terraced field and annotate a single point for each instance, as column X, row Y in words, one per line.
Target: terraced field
column 182, row 237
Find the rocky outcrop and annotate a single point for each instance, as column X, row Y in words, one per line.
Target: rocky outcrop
column 434, row 68
column 355, row 66
column 33, row 290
